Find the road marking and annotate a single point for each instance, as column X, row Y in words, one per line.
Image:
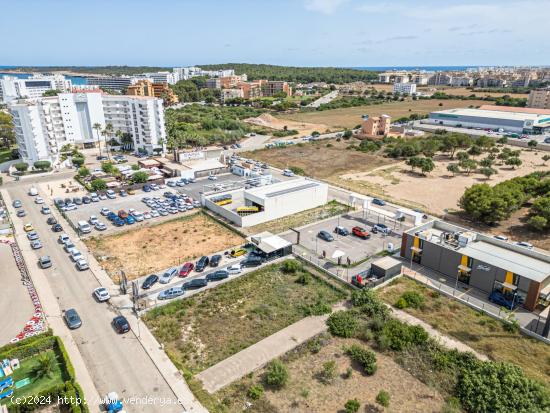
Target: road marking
column 464, row 292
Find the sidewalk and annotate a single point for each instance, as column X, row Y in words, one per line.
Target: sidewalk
column 53, row 311
column 259, row 354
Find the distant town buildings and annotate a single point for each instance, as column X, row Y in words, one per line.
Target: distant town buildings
column 404, row 88
column 33, row 87
column 159, row 90
column 42, row 126
column 539, row 98
column 375, row 126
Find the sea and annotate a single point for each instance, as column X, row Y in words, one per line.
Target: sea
column 76, row 80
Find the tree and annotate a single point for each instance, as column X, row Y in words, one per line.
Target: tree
column 78, row 161
column 83, row 171
column 42, row 165
column 140, row 177
column 45, row 365
column 545, row 158
column 352, row 406
column 486, row 162
column 453, row 168
column 51, row 92
column 347, row 134
column 427, row 165
column 538, row 222
column 98, row 185
column 108, row 133
column 468, row 165
column 532, row 144
column 97, row 127
column 413, row 162
column 488, row 205
column 475, row 150
column 488, row 172
column 21, row 166
column 513, row 162
column 108, row 167
column 461, row 156
column 276, row 374
column 503, row 140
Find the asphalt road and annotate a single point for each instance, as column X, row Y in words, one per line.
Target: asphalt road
column 115, row 362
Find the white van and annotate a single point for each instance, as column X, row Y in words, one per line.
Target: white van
column 33, row 191
column 84, row 227
column 288, row 172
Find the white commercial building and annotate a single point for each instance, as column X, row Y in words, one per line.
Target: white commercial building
column 43, row 126
column 163, row 77
column 270, row 201
column 12, row 87
column 404, row 88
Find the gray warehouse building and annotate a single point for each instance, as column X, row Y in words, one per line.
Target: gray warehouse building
column 480, row 261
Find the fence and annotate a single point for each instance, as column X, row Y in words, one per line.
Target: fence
column 477, row 304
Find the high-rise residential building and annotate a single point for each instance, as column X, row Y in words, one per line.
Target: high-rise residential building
column 42, row 126
column 539, row 98
column 111, row 82
column 272, row 87
column 159, row 90
column 33, row 87
column 440, row 79
column 404, row 88
column 163, row 77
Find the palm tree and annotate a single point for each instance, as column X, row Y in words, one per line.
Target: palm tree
column 97, row 127
column 118, row 135
column 45, row 365
column 108, row 132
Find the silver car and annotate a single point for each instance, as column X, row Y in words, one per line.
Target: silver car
column 168, row 275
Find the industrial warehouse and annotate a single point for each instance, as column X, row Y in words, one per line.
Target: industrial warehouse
column 498, row 118
column 249, row 207
column 510, row 274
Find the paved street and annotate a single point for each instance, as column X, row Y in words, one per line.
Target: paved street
column 115, row 362
column 329, row 97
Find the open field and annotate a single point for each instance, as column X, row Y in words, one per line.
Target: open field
column 439, row 190
column 305, row 392
column 157, row 247
column 477, row 330
column 457, row 91
column 215, row 324
column 351, row 117
column 268, row 121
column 277, row 226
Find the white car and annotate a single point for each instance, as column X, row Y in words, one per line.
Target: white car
column 168, row 275
column 110, row 194
column 288, row 172
column 93, row 220
column 64, row 238
column 234, row 269
column 33, row 191
column 69, row 207
column 76, row 255
column 82, row 264
column 38, row 200
column 46, row 210
column 100, row 226
column 147, row 215
column 102, row 294
column 525, row 244
column 131, row 211
column 105, row 211
column 138, row 216
column 212, row 177
column 155, row 214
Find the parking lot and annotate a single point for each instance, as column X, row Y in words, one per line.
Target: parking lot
column 355, row 248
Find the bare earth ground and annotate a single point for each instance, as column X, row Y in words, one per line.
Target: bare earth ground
column 351, row 117
column 438, row 190
column 269, row 121
column 149, row 249
column 305, row 393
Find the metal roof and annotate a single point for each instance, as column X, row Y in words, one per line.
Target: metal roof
column 290, row 190
column 529, row 267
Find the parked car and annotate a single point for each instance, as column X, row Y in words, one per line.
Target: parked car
column 252, row 261
column 122, row 214
column 508, row 301
column 63, row 239
column 381, row 228
column 525, row 244
column 360, row 232
column 75, row 254
column 288, row 172
column 217, row 275
column 17, row 203
column 111, row 216
column 72, row 319
column 501, row 237
column 38, row 200
column 195, row 284
column 138, row 216
column 118, row 222
column 21, row 213
column 69, row 246
column 36, row 244
column 341, row 231
column 28, row 227
column 325, row 235
column 146, row 188
column 86, row 200
column 32, row 235
column 378, row 201
column 201, row 264
column 45, row 210
column 45, row 262
column 82, row 264
column 100, row 226
column 84, row 227
column 121, row 325
column 77, row 200
column 150, row 281
column 168, row 275
column 238, row 252
column 123, row 193
column 130, row 220
column 51, row 221
column 102, row 294
column 171, row 293
column 186, row 269
column 234, row 269
column 93, row 220
column 110, row 194
column 57, row 228
column 215, row 260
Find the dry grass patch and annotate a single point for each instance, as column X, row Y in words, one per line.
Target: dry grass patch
column 477, row 330
column 154, row 248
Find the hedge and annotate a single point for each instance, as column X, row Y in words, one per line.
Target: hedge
column 30, row 349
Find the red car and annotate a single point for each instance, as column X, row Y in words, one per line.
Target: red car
column 360, row 232
column 186, row 269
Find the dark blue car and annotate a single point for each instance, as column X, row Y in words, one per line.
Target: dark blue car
column 111, row 216
column 146, row 188
column 130, row 220
column 508, row 301
column 377, row 201
column 118, row 222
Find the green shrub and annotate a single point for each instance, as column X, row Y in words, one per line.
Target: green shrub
column 304, row 278
column 83, row 171
column 348, row 373
column 21, row 166
column 328, row 374
column 342, row 324
column 98, row 185
column 401, row 303
column 369, row 303
column 291, row 267
column 383, row 398
column 42, row 165
column 276, row 374
column 410, row 299
column 363, row 356
column 256, row 391
column 352, row 406
column 397, row 336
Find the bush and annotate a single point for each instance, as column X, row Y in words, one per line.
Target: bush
column 291, row 267
column 276, row 374
column 42, row 165
column 352, row 406
column 410, row 299
column 297, row 170
column 304, row 278
column 140, row 177
column 397, row 336
column 342, row 324
column 78, row 161
column 21, row 166
column 383, row 398
column 369, row 303
column 98, row 185
column 363, row 356
column 256, row 391
column 83, row 171
column 328, row 374
column 348, row 373
column 401, row 303
column 500, row 387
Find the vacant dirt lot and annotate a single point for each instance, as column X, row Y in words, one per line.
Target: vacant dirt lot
column 318, row 160
column 439, row 190
column 306, row 393
column 268, row 121
column 351, row 117
column 150, row 249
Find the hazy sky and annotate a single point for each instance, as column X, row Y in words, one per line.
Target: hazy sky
column 287, row 32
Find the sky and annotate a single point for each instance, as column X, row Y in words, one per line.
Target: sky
column 343, row 33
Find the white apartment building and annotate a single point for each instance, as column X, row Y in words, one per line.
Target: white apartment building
column 43, row 126
column 404, row 88
column 539, row 98
column 110, row 82
column 163, row 77
column 12, row 87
